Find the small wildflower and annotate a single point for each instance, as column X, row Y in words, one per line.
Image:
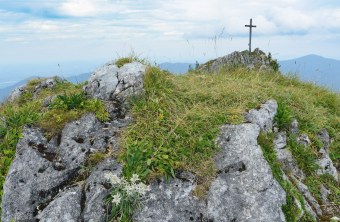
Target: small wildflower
column 134, row 178
column 114, row 179
column 142, row 188
column 116, row 199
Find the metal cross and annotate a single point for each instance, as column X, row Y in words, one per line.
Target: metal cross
column 250, row 27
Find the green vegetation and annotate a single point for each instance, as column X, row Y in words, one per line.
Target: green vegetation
column 283, row 116
column 290, row 209
column 131, row 58
column 178, row 118
column 70, row 104
column 125, row 197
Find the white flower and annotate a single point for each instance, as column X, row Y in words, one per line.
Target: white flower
column 130, row 189
column 134, row 178
column 142, row 188
column 116, row 199
column 114, row 179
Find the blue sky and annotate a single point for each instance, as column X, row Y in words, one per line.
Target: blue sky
column 95, row 31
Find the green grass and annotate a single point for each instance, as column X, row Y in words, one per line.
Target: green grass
column 290, row 209
column 120, row 62
column 177, row 120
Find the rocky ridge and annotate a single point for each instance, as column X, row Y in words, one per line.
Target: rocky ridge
column 256, row 60
column 43, row 185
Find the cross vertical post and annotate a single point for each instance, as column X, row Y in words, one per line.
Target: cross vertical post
column 250, row 31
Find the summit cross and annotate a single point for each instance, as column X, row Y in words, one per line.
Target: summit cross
column 250, row 28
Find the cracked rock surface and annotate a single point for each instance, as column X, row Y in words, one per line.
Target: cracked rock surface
column 112, row 83
column 244, row 189
column 42, row 169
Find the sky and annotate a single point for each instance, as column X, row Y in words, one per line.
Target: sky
column 87, row 33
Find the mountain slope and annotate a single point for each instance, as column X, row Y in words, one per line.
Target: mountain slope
column 322, row 71
column 190, row 137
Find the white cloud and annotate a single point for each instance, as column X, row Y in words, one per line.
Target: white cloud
column 185, row 27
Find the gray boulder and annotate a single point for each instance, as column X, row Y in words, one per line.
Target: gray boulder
column 44, row 83
column 16, row 93
column 245, row 189
column 172, row 201
column 65, row 207
column 294, row 127
column 325, row 163
column 97, row 189
column 264, row 116
column 304, row 140
column 309, row 198
column 285, row 157
column 112, row 83
column 41, row 169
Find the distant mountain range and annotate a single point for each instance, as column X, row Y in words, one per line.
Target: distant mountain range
column 176, row 68
column 322, row 71
column 314, row 68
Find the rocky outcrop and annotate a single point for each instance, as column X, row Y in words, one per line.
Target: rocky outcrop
column 244, row 189
column 65, row 207
column 325, row 162
column 285, row 157
column 43, row 84
column 42, row 169
column 97, row 189
column 112, row 83
column 254, row 60
column 172, row 201
column 264, row 116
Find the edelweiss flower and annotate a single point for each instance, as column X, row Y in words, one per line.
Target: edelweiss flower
column 116, row 199
column 130, row 189
column 114, row 179
column 134, row 178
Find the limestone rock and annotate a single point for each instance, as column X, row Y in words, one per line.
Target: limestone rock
column 304, row 140
column 16, row 93
column 40, row 168
column 264, row 116
column 112, row 83
column 326, row 166
column 97, row 189
column 308, row 196
column 280, row 141
column 325, row 138
column 245, row 189
column 65, row 207
column 254, row 60
column 171, row 201
column 45, row 83
column 325, row 163
column 294, row 127
column 324, row 194
column 285, row 157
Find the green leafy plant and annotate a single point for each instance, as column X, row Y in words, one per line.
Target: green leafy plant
column 305, row 157
column 69, row 102
column 125, row 196
column 273, row 63
column 283, row 117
